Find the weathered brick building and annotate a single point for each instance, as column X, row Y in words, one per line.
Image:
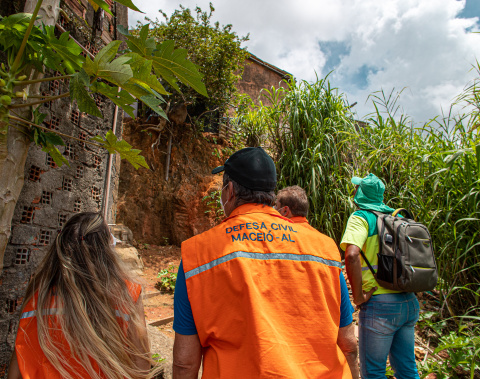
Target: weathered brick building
column 259, row 75
column 51, row 194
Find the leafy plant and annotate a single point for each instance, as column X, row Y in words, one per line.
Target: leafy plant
column 31, row 51
column 251, row 122
column 214, row 48
column 462, row 348
column 124, row 78
column 214, row 207
column 168, row 279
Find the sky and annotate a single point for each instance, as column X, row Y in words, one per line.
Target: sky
column 424, row 48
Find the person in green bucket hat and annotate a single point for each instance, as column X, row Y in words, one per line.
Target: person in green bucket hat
column 387, row 318
column 369, row 194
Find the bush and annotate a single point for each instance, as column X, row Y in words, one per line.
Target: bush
column 214, row 48
column 168, row 279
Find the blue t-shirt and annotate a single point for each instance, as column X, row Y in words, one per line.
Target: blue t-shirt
column 183, row 322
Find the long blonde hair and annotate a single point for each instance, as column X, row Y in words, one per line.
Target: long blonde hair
column 83, row 277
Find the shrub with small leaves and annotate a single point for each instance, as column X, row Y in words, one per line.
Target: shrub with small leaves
column 168, row 279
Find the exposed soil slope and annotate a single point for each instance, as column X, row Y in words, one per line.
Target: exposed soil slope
column 168, row 212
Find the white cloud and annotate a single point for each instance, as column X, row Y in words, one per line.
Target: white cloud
column 417, row 44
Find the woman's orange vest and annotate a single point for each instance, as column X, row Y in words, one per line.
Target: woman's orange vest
column 31, row 359
column 265, row 297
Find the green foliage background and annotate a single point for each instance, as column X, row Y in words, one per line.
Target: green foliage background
column 433, row 170
column 215, row 48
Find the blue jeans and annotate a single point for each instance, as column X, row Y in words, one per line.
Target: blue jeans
column 386, row 327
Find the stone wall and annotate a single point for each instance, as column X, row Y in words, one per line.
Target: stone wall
column 51, row 194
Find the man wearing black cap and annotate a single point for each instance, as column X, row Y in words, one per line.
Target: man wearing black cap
column 257, row 296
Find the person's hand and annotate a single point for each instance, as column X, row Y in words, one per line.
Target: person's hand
column 365, row 297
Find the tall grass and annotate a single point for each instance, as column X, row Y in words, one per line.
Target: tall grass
column 433, row 170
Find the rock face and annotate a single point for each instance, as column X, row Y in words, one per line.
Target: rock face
column 169, row 212
column 122, row 233
column 130, row 257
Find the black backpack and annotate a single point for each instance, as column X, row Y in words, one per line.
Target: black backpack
column 406, row 261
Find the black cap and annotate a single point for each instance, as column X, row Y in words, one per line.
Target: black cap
column 252, row 168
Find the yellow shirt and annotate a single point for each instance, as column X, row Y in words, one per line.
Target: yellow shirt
column 361, row 231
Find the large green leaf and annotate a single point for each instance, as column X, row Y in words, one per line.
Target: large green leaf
column 129, row 4
column 121, row 98
column 107, row 53
column 62, row 53
column 136, row 90
column 141, row 45
column 117, row 71
column 142, row 74
column 16, row 18
column 123, row 148
column 154, row 103
column 169, row 63
column 78, row 92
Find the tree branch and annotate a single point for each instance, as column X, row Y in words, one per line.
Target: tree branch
column 18, row 58
column 46, row 100
column 18, row 119
column 18, row 82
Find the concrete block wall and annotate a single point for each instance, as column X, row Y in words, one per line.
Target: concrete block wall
column 51, row 194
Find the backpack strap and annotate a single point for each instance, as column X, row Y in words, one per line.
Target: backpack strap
column 407, row 213
column 368, row 263
column 377, row 214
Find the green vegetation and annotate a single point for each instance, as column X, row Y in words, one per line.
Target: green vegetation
column 168, row 279
column 433, row 170
column 141, row 72
column 122, row 79
column 460, row 344
column 213, row 203
column 214, row 48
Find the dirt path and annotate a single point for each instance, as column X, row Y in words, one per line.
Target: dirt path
column 159, row 305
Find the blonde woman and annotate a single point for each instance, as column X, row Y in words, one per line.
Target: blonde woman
column 83, row 314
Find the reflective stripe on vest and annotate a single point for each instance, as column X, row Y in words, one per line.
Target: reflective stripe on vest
column 261, row 256
column 56, row 311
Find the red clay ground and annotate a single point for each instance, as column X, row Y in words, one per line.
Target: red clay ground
column 158, row 305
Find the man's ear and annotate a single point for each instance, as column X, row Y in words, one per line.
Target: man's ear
column 284, row 211
column 230, row 193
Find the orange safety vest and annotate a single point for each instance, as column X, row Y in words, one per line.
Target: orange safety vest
column 301, row 220
column 32, row 361
column 265, row 297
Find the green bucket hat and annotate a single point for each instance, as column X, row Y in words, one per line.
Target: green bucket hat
column 370, row 194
